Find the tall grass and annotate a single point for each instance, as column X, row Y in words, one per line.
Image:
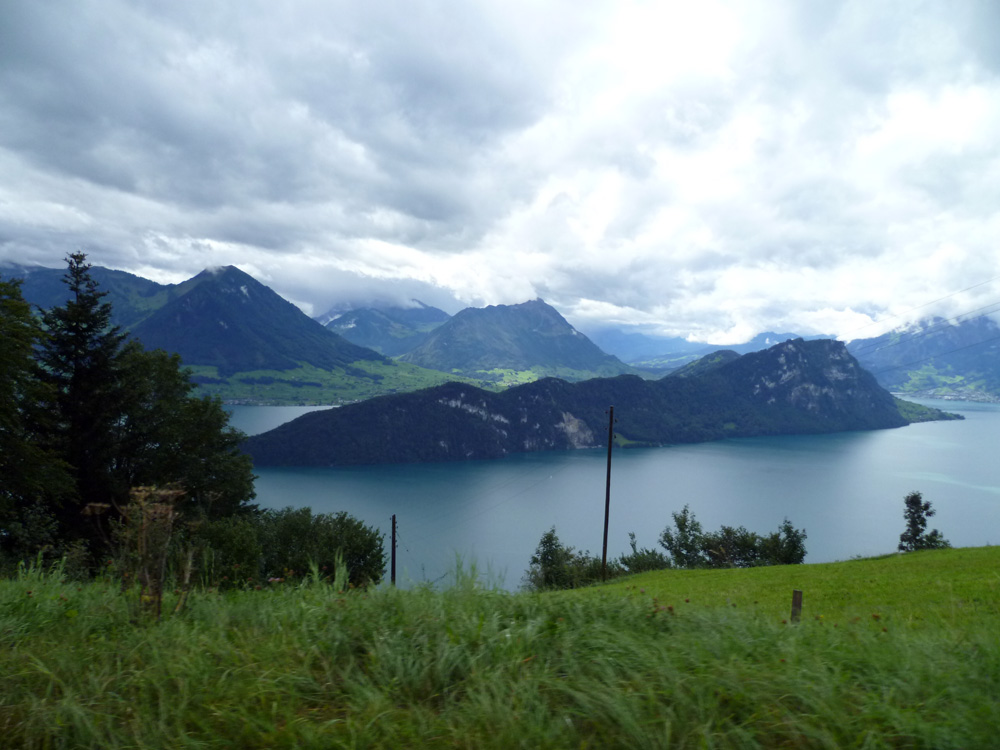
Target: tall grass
column 627, row 665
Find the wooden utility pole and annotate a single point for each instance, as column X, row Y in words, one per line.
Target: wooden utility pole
column 607, row 494
column 392, row 564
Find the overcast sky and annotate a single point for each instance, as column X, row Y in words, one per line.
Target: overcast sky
column 712, row 169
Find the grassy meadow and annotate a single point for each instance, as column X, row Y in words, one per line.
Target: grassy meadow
column 895, row 652
column 312, row 385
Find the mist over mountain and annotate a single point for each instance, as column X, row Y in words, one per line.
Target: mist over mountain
column 225, row 333
column 664, row 354
column 388, row 330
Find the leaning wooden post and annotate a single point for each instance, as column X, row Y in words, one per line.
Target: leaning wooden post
column 607, row 494
column 796, row 605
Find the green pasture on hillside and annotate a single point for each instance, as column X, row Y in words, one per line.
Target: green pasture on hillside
column 896, row 652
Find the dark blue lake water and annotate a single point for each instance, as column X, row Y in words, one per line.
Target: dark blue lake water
column 846, row 491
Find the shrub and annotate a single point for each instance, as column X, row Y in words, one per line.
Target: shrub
column 916, row 513
column 557, row 566
column 690, row 547
column 642, row 560
column 293, row 539
column 685, row 542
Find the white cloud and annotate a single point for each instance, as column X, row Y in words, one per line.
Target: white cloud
column 711, row 169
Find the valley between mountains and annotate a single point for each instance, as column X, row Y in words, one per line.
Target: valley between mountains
column 417, row 384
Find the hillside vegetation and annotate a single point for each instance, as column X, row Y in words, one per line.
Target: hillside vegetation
column 798, row 387
column 893, row 652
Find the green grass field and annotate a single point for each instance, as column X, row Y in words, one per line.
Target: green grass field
column 895, row 652
column 313, row 386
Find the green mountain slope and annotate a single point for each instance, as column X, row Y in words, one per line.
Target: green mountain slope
column 390, row 331
column 511, row 343
column 795, row 387
column 133, row 298
column 241, row 340
column 224, row 318
column 937, row 359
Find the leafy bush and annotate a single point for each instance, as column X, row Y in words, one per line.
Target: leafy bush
column 557, row 566
column 230, row 551
column 916, row 513
column 786, row 546
column 294, row 539
column 691, row 547
column 685, row 542
column 642, row 560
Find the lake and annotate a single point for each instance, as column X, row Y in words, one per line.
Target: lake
column 846, row 490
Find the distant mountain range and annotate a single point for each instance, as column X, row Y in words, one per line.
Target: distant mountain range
column 133, row 297
column 245, row 343
column 527, row 341
column 792, row 388
column 951, row 359
column 226, row 319
column 389, row 330
column 660, row 354
column 240, row 339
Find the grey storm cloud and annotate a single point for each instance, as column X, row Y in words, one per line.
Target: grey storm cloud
column 711, row 169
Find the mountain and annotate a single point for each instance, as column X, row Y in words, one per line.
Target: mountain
column 529, row 341
column 682, row 352
column 241, row 340
column 937, row 358
column 661, row 354
column 631, row 346
column 795, row 387
column 224, row 318
column 133, row 297
column 705, row 364
column 389, row 330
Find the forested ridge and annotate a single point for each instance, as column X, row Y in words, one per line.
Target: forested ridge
column 796, row 387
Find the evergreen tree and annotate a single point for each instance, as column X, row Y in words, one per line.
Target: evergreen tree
column 79, row 359
column 124, row 417
column 31, row 477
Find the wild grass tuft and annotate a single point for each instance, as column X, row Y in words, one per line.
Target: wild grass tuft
column 626, row 665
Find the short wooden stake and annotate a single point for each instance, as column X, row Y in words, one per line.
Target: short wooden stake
column 796, row 605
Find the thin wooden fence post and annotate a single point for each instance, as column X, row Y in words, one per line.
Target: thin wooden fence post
column 796, row 605
column 392, row 564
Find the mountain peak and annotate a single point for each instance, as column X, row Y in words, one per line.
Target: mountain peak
column 531, row 335
column 225, row 318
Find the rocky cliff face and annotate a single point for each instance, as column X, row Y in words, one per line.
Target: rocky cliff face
column 793, row 388
column 818, row 378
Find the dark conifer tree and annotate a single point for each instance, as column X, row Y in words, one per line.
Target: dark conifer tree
column 86, row 415
column 32, row 478
column 80, row 359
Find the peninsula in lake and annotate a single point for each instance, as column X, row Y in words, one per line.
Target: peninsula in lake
column 796, row 387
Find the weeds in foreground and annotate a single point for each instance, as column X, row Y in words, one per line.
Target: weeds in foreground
column 312, row 665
